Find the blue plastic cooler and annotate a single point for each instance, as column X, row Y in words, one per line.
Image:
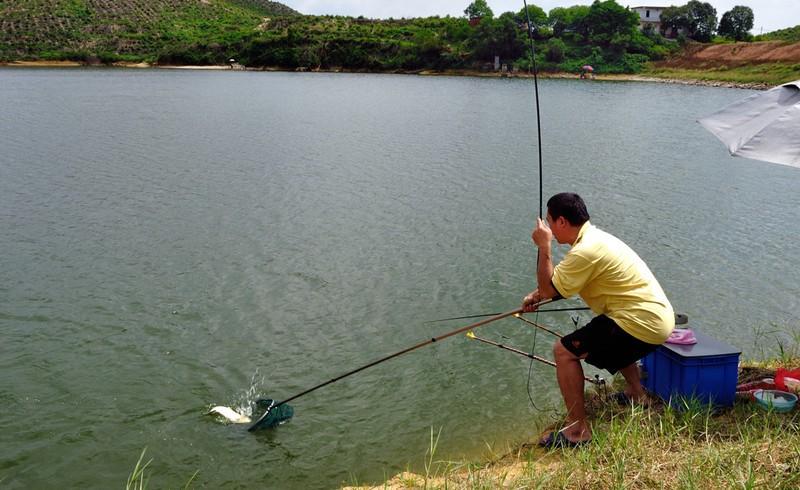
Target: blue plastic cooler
column 707, row 371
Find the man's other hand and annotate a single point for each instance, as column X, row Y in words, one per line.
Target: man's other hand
column 542, row 235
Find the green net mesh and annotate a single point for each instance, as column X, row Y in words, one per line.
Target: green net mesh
column 272, row 415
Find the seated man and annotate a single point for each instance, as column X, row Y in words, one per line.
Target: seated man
column 633, row 313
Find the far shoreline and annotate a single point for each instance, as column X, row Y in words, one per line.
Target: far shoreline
column 623, row 77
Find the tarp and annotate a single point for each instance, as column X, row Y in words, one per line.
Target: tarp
column 764, row 126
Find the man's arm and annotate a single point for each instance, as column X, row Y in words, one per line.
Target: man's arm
column 544, row 273
column 542, row 236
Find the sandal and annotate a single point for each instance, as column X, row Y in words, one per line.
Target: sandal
column 557, row 439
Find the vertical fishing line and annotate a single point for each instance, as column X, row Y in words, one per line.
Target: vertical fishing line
column 539, row 145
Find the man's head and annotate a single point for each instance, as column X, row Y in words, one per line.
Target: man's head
column 566, row 213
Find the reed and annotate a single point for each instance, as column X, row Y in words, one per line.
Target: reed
column 139, row 479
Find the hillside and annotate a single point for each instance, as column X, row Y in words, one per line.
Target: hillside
column 266, row 7
column 261, row 33
column 788, row 34
column 127, row 29
column 700, row 56
column 753, row 65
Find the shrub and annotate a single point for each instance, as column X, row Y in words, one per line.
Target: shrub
column 555, row 50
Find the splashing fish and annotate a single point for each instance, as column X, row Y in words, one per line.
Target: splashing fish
column 230, row 414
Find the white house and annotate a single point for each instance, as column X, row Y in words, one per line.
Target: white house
column 649, row 16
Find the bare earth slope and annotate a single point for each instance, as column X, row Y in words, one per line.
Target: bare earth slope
column 699, row 56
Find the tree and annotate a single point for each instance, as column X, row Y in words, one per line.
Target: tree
column 555, row 50
column 609, row 21
column 478, row 9
column 675, row 20
column 569, row 20
column 736, row 23
column 702, row 20
column 537, row 15
column 498, row 37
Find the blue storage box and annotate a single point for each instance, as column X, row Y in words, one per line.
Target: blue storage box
column 707, row 371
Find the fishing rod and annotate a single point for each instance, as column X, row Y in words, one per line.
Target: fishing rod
column 577, row 308
column 541, row 173
column 539, row 326
column 538, row 116
column 598, row 380
column 277, row 416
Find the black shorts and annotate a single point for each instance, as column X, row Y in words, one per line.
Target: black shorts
column 608, row 346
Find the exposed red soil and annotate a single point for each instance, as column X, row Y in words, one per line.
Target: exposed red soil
column 699, row 56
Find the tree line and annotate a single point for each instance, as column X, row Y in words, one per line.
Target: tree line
column 698, row 20
column 605, row 35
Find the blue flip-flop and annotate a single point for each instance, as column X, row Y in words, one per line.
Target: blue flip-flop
column 557, row 439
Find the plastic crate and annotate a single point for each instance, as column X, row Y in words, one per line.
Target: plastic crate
column 707, row 371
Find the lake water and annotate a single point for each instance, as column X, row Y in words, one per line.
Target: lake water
column 174, row 240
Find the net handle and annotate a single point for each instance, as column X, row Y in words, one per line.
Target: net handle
column 396, row 354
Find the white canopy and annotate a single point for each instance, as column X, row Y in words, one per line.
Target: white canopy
column 764, row 126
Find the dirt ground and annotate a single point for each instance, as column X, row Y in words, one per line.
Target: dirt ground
column 699, row 56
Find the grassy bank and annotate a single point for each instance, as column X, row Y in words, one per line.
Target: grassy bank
column 767, row 74
column 645, row 447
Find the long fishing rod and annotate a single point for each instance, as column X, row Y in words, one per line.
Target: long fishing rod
column 541, row 173
column 536, row 91
column 483, row 315
column 266, row 421
column 533, row 357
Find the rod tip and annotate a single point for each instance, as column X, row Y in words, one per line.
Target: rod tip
column 470, row 335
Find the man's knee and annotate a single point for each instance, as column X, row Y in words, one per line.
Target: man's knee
column 561, row 354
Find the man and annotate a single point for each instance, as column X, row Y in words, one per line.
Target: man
column 633, row 313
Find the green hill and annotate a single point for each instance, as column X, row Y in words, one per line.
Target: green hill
column 266, row 7
column 789, row 34
column 269, row 34
column 132, row 30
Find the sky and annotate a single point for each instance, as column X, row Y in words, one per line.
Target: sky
column 770, row 15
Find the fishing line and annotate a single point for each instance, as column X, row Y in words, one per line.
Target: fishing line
column 541, row 186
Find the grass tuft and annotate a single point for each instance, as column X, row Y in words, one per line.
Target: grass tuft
column 138, row 479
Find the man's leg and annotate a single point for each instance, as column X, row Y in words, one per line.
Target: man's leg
column 634, row 388
column 570, row 380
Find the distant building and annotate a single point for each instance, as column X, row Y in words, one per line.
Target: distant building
column 649, row 16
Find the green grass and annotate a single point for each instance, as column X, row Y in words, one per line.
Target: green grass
column 139, row 479
column 683, row 447
column 763, row 74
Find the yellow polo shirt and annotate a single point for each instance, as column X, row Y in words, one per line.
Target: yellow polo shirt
column 614, row 281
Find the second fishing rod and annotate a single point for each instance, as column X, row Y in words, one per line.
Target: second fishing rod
column 533, row 357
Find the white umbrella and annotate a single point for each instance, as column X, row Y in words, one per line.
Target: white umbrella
column 764, row 126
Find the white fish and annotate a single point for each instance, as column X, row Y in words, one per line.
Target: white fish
column 231, row 414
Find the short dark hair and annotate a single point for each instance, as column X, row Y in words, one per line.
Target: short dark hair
column 570, row 206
